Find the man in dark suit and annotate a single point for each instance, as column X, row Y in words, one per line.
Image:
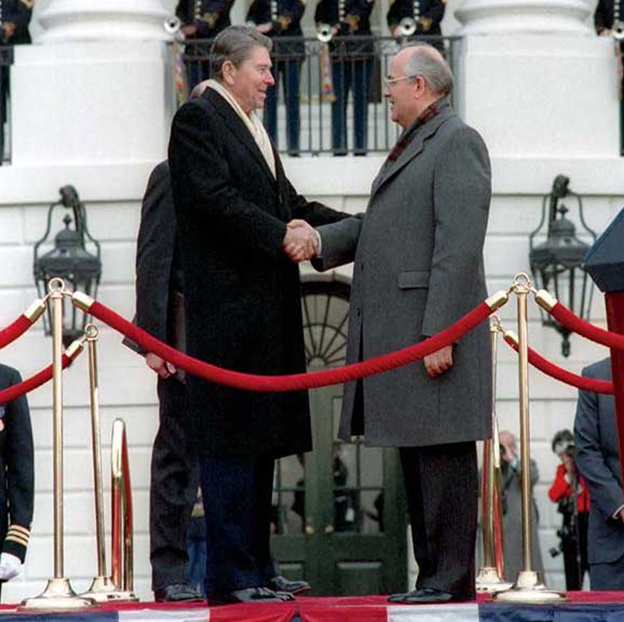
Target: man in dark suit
column 595, row 436
column 201, row 19
column 423, row 16
column 418, row 268
column 17, row 480
column 160, row 312
column 14, row 20
column 281, row 20
column 243, row 307
column 351, row 53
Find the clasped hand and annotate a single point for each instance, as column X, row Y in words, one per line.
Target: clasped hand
column 300, row 242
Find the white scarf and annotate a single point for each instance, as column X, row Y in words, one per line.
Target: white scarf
column 252, row 123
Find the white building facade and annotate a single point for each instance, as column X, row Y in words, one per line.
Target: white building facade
column 92, row 101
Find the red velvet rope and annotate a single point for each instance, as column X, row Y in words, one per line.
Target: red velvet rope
column 293, row 382
column 21, row 388
column 563, row 375
column 587, row 330
column 14, row 330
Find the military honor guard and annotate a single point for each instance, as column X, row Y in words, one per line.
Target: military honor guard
column 14, row 19
column 408, row 19
column 281, row 21
column 17, row 485
column 609, row 22
column 342, row 23
column 201, row 19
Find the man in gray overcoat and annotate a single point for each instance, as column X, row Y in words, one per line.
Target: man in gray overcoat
column 418, row 268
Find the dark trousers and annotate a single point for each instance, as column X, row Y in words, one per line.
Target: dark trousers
column 173, row 487
column 237, row 507
column 350, row 75
column 285, row 72
column 575, row 553
column 442, row 487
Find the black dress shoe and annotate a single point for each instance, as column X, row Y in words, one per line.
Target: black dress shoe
column 176, row 593
column 247, row 595
column 424, row 595
column 282, row 584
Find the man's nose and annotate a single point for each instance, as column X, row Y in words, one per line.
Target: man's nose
column 270, row 80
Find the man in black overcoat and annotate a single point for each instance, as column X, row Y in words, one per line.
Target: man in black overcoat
column 17, row 480
column 243, row 307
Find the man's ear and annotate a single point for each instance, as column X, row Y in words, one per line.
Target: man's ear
column 228, row 71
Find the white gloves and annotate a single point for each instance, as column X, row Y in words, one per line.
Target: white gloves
column 10, row 566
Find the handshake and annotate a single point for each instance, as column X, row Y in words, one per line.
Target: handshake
column 301, row 241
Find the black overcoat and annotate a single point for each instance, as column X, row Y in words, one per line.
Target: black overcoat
column 242, row 295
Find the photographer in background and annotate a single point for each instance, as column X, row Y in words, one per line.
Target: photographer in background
column 511, row 497
column 569, row 491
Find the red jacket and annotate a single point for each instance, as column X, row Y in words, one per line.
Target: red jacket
column 561, row 488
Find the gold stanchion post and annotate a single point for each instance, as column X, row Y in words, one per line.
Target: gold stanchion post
column 490, row 576
column 102, row 588
column 58, row 594
column 122, row 557
column 528, row 587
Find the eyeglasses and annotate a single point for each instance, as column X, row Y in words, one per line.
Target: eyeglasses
column 388, row 81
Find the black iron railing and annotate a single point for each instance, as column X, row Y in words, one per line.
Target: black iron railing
column 6, row 60
column 328, row 97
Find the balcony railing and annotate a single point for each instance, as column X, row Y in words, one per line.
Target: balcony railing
column 328, row 97
column 6, row 60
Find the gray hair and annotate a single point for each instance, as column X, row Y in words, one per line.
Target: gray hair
column 426, row 61
column 235, row 44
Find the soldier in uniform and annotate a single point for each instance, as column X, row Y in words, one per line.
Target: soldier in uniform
column 352, row 63
column 609, row 22
column 427, row 16
column 17, row 485
column 201, row 19
column 281, row 20
column 14, row 19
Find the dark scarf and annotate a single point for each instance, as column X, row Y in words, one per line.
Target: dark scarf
column 406, row 138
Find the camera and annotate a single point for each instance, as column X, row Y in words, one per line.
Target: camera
column 565, row 447
column 565, row 534
column 563, row 443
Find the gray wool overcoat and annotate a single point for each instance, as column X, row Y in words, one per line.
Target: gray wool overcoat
column 418, row 268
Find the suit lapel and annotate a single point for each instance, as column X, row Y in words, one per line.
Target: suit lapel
column 238, row 127
column 413, row 149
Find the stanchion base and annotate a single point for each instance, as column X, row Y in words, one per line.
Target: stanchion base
column 58, row 596
column 488, row 581
column 528, row 589
column 103, row 590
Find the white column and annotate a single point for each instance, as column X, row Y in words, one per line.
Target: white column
column 509, row 17
column 536, row 81
column 96, row 87
column 93, row 20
